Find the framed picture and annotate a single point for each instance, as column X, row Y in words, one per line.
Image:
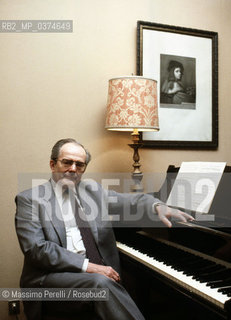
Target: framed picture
column 185, row 64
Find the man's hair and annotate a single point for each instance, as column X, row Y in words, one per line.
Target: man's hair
column 58, row 145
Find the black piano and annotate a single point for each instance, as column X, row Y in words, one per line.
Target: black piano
column 183, row 272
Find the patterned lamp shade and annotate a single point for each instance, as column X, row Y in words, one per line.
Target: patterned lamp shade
column 132, row 104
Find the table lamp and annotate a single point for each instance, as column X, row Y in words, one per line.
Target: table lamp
column 132, row 106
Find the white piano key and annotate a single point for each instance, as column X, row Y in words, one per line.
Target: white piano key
column 183, row 280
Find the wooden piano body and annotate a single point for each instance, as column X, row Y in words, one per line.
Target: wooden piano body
column 183, row 272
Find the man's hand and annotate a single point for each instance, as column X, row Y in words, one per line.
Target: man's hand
column 105, row 270
column 164, row 213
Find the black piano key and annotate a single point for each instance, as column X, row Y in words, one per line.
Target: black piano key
column 194, row 268
column 217, row 275
column 181, row 264
column 219, row 283
column 206, row 266
column 207, row 271
column 225, row 290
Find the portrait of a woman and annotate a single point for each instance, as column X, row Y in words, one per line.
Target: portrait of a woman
column 173, row 89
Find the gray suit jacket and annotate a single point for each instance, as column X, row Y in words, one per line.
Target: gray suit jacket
column 41, row 231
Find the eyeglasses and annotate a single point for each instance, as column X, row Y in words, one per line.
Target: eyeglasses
column 67, row 163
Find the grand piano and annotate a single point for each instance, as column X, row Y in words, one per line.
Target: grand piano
column 183, row 272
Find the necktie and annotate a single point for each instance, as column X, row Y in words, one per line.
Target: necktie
column 92, row 251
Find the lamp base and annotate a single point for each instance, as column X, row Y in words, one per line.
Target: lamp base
column 137, row 175
column 137, row 187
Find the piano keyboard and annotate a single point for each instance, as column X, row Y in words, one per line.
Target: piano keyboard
column 186, row 281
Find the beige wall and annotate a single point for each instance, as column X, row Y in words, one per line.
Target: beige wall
column 55, row 85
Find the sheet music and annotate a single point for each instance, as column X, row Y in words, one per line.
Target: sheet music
column 195, row 185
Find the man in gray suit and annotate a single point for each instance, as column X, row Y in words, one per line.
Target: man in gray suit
column 56, row 249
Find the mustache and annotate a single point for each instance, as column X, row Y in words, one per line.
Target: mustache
column 67, row 175
column 70, row 175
